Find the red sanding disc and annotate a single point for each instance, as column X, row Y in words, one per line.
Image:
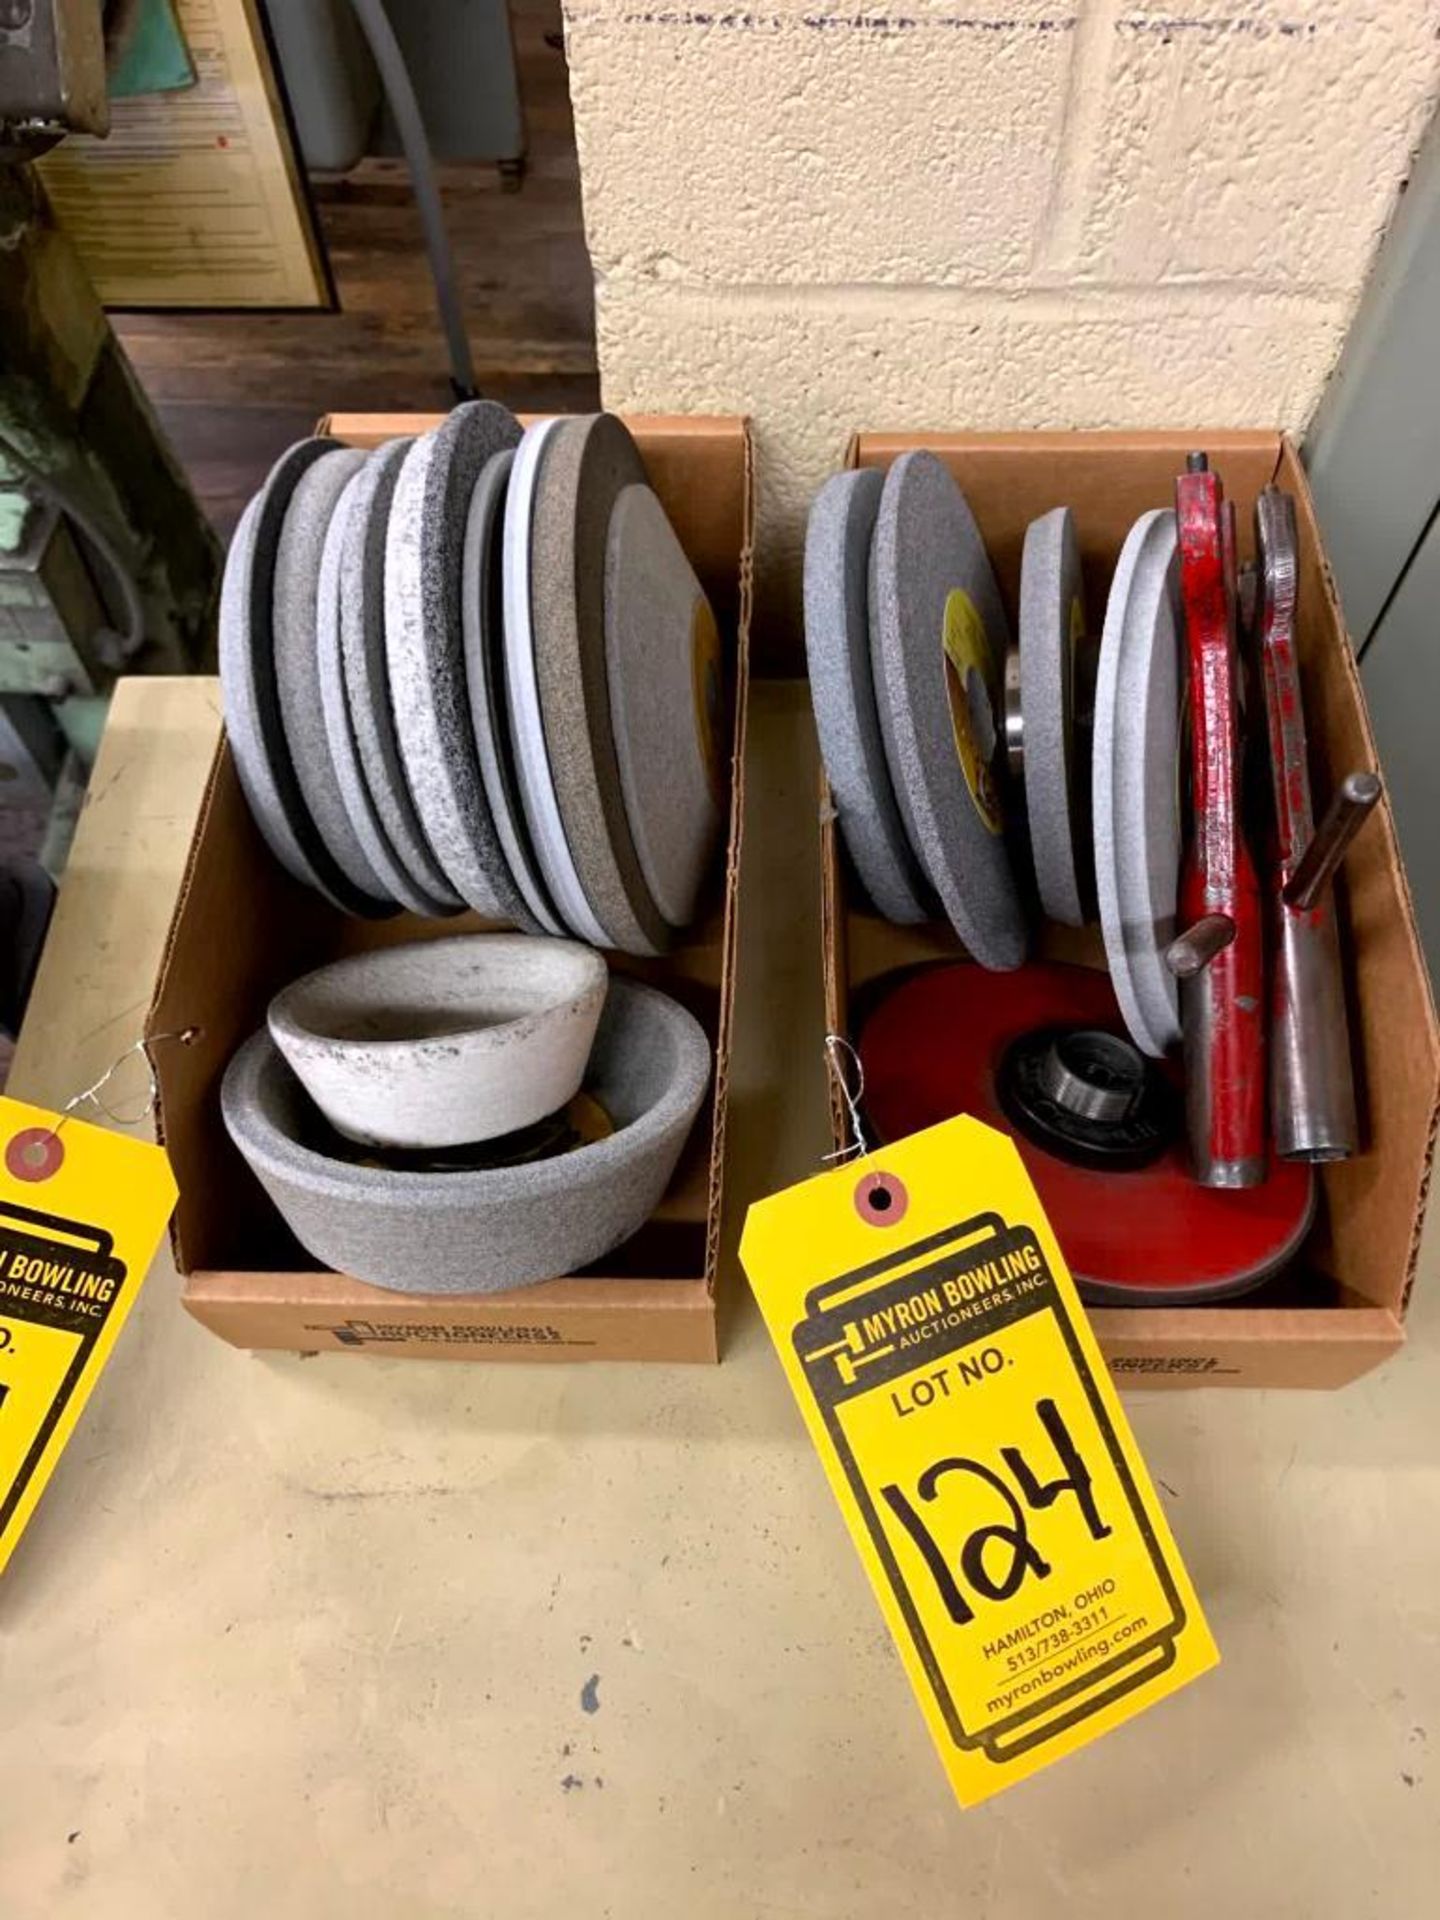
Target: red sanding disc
column 930, row 1048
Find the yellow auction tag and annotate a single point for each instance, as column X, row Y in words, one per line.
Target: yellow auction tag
column 951, row 1384
column 81, row 1214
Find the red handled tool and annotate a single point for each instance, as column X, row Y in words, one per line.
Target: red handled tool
column 1312, row 1088
column 1222, row 999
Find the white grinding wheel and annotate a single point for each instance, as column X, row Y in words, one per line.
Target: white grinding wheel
column 1136, row 779
column 1052, row 635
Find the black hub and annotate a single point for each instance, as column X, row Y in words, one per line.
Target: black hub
column 1088, row 1097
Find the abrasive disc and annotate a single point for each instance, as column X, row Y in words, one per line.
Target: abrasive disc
column 367, row 681
column 667, row 701
column 249, row 695
column 1136, row 778
column 482, row 622
column 938, row 636
column 931, row 1042
column 588, row 463
column 1057, row 766
column 425, row 654
column 842, row 691
column 295, row 613
column 364, row 820
column 522, row 695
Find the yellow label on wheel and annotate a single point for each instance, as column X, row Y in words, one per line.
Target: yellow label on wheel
column 970, row 683
column 932, row 1335
column 81, row 1213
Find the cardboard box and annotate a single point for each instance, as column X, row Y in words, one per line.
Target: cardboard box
column 1342, row 1311
column 243, row 928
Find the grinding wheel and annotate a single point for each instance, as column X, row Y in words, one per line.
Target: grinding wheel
column 527, row 726
column 842, row 690
column 667, row 700
column 938, row 636
column 365, row 822
column 482, row 621
column 367, row 682
column 1057, row 768
column 250, row 697
column 588, row 464
column 931, row 1045
column 295, row 614
column 1136, row 779
column 425, row 654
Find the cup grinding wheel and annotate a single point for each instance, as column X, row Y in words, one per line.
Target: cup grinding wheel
column 932, row 1043
column 842, row 690
column 425, row 654
column 938, row 636
column 588, row 464
column 367, row 681
column 1136, row 779
column 522, row 693
column 482, row 618
column 1057, row 767
column 251, row 699
column 667, row 702
column 295, row 612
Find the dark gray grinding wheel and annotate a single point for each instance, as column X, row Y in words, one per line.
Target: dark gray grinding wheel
column 667, row 701
column 842, row 689
column 364, row 819
column 425, row 654
column 482, row 620
column 1057, row 771
column 588, row 464
column 295, row 613
column 367, row 683
column 250, row 696
column 938, row 636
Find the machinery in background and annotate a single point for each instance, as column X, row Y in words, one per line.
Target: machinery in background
column 107, row 564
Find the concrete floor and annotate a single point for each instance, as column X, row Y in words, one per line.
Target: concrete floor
column 377, row 1638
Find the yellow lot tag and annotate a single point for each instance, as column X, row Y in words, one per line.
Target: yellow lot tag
column 81, row 1214
column 933, row 1337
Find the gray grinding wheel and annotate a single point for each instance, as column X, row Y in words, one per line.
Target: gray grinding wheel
column 482, row 621
column 587, row 465
column 1136, row 779
column 522, row 694
column 938, row 636
column 367, row 683
column 425, row 654
column 295, row 613
column 365, row 821
column 842, row 690
column 251, row 699
column 667, row 701
column 1052, row 638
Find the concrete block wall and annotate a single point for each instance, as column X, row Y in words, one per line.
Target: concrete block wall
column 984, row 213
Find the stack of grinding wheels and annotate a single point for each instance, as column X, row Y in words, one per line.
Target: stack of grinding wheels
column 1001, row 784
column 475, row 669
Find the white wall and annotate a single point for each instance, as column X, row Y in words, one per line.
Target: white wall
column 984, row 213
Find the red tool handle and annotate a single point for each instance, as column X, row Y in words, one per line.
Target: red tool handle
column 1223, row 1005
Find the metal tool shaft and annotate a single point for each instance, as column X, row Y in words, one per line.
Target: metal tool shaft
column 1318, row 864
column 1188, row 952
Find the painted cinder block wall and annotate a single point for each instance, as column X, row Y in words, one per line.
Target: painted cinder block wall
column 984, row 213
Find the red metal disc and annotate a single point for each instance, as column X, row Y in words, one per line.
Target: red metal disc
column 930, row 1046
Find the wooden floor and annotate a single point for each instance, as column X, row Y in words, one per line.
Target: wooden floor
column 234, row 389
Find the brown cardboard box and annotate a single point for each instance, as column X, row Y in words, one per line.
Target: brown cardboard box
column 242, row 928
column 1347, row 1312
